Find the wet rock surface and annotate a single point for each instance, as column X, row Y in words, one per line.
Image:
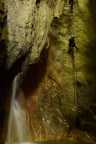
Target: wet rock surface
column 67, row 97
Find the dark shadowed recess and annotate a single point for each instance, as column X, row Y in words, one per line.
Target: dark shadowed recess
column 3, row 72
column 35, row 73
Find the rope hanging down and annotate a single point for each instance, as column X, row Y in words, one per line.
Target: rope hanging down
column 72, row 49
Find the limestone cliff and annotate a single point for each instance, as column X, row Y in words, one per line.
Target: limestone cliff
column 67, row 86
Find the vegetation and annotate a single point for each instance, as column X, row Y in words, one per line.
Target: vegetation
column 65, row 76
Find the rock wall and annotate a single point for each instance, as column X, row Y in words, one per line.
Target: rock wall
column 67, row 96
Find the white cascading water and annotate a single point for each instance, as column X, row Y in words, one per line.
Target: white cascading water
column 17, row 127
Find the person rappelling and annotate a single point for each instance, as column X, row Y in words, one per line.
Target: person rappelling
column 72, row 46
column 71, row 51
column 71, row 4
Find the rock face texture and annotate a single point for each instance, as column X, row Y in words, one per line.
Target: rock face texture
column 28, row 26
column 41, row 31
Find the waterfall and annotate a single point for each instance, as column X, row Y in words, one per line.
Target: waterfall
column 17, row 128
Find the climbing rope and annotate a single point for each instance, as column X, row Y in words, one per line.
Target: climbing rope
column 73, row 49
